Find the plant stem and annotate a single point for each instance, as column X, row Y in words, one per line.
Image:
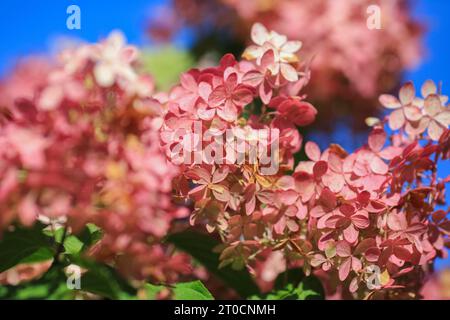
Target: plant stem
column 60, row 247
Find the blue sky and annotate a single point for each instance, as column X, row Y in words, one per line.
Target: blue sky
column 33, row 27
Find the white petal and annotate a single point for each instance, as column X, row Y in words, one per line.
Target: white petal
column 407, row 93
column 443, row 118
column 432, row 105
column 389, row 101
column 429, row 87
column 435, row 130
column 289, row 72
column 291, row 46
column 252, row 52
column 104, row 75
column 259, row 34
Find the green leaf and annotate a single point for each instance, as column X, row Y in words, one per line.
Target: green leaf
column 51, row 286
column 151, row 290
column 310, row 288
column 103, row 280
column 294, row 285
column 90, row 235
column 194, row 290
column 24, row 245
column 166, row 64
column 75, row 244
column 200, row 247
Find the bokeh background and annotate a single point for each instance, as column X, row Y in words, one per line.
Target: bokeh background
column 39, row 27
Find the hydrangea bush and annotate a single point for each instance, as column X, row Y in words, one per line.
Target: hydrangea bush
column 101, row 172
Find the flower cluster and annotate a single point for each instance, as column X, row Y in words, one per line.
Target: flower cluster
column 372, row 217
column 352, row 64
column 230, row 195
column 368, row 215
column 414, row 115
column 79, row 143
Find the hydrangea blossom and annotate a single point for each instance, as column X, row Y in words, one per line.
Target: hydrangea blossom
column 345, row 214
column 81, row 144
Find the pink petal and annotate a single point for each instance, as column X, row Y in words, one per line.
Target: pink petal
column 356, row 264
column 432, row 105
column 188, row 82
column 335, row 162
column 377, row 139
column 286, row 182
column 343, row 249
column 289, row 72
column 265, row 92
column 206, row 114
column 198, row 192
column 360, row 220
column 365, row 245
column 199, row 174
column 302, row 211
column 204, row 90
column 407, row 93
column 288, row 197
column 328, row 198
column 389, row 102
column 242, row 97
column 396, row 119
column 353, row 285
column 292, row 225
column 267, row 59
column 372, row 254
column 231, row 79
column 396, row 221
column 228, row 60
column 412, row 113
column 304, row 186
column 435, row 130
column 347, row 209
column 344, row 269
column 317, row 260
column 351, row 234
column 378, row 166
column 402, row 253
column 220, row 174
column 250, row 206
column 252, row 78
column 319, row 169
column 330, row 220
column 390, row 152
column 217, row 96
column 418, row 127
column 443, row 118
column 223, row 196
column 312, row 151
column 317, row 212
column 334, row 181
column 228, row 112
column 429, row 87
